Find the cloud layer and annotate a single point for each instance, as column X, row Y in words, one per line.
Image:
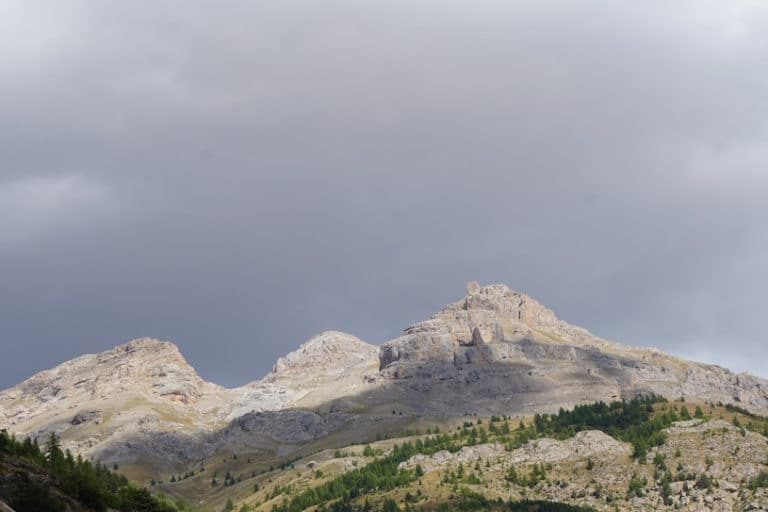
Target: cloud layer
column 240, row 178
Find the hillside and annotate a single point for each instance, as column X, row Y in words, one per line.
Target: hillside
column 35, row 479
column 648, row 454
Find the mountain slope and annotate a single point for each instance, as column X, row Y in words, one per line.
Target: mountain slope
column 495, row 351
column 638, row 455
column 498, row 350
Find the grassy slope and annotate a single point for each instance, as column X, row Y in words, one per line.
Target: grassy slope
column 253, row 468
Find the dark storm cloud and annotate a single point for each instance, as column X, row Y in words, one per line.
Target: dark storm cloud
column 239, row 178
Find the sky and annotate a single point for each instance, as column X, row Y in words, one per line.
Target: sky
column 237, row 177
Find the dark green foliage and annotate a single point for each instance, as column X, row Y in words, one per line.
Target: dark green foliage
column 636, row 486
column 546, row 506
column 92, row 485
column 468, row 500
column 229, row 479
column 390, row 506
column 30, row 495
column 380, row 475
column 704, row 482
column 537, row 474
column 761, row 480
column 628, row 421
column 758, row 424
column 666, row 488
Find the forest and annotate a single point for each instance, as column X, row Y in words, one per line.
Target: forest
column 49, row 479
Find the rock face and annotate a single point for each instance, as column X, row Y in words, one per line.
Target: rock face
column 100, row 399
column 326, row 367
column 152, row 370
column 495, row 351
column 486, row 316
column 506, row 351
column 481, row 327
column 142, row 399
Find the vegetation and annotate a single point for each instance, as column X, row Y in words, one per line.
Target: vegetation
column 546, row 506
column 70, row 479
column 635, row 421
column 636, row 486
column 468, row 500
column 381, row 474
column 631, row 421
column 761, row 480
column 756, row 423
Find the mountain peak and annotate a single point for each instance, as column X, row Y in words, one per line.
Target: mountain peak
column 145, row 345
column 142, row 370
column 332, row 348
column 510, row 306
column 487, row 315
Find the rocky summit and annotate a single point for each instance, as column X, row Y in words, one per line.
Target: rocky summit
column 495, row 351
column 500, row 350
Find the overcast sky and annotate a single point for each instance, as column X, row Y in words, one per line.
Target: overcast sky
column 238, row 176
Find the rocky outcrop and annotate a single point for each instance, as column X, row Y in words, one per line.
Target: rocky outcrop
column 593, row 469
column 584, row 445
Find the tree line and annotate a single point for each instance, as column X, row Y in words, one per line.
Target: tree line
column 52, row 478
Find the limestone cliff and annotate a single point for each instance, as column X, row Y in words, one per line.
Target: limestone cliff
column 495, row 351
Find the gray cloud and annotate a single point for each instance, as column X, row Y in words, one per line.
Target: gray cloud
column 238, row 179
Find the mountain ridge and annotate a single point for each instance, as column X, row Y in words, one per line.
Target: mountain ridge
column 493, row 351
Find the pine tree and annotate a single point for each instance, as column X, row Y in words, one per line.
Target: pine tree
column 53, row 450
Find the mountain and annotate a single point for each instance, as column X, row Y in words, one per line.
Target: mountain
column 498, row 350
column 493, row 352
